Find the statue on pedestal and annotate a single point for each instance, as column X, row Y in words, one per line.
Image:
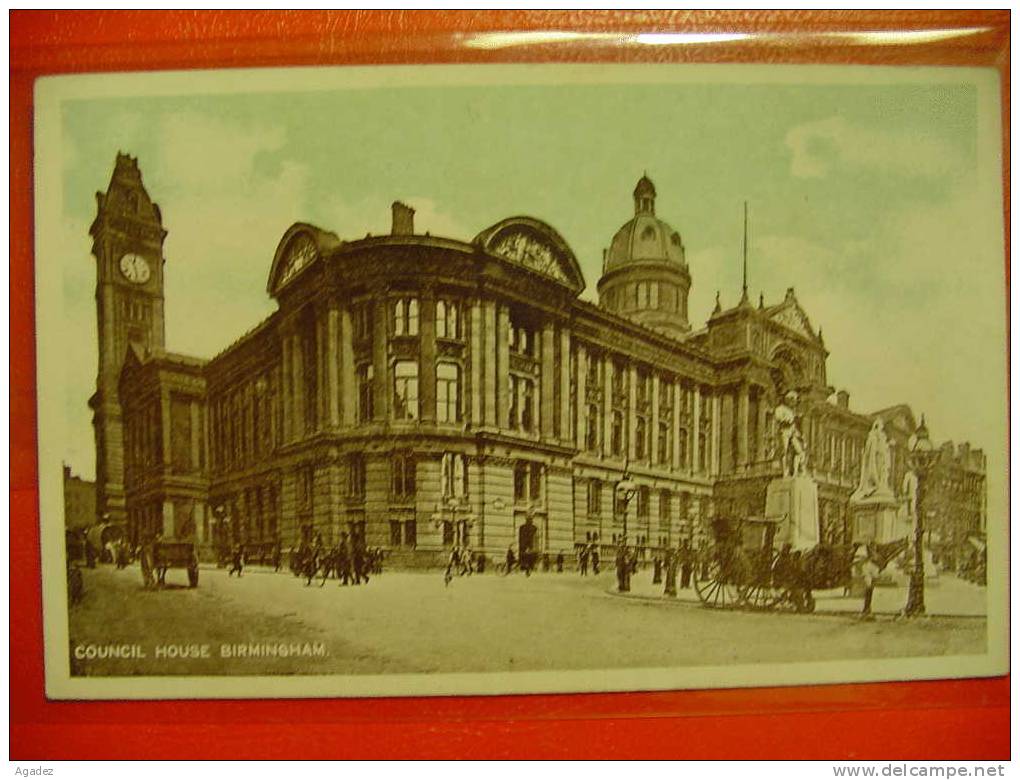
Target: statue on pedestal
column 875, row 466
column 792, row 452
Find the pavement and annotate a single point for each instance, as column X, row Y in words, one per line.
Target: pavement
column 403, row 622
column 944, row 596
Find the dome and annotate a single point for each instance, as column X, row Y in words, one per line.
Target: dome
column 645, row 238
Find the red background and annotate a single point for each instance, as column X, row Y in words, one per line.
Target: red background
column 955, row 719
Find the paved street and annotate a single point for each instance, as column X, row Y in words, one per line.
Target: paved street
column 410, row 622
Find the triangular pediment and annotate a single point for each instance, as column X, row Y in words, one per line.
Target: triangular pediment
column 791, row 316
column 534, row 245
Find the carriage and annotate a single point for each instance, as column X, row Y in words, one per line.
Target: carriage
column 745, row 568
column 175, row 554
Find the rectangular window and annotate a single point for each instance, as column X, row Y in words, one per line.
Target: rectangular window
column 535, row 482
column 447, row 319
column 640, row 439
column 305, row 486
column 361, row 319
column 617, row 435
column 454, row 475
column 405, row 390
column 447, row 533
column 403, row 475
column 366, row 393
column 356, row 476
column 665, row 453
column 643, row 499
column 591, row 440
column 395, row 534
column 410, row 533
column 405, row 317
column 594, row 497
column 521, row 482
column 447, row 392
column 665, row 508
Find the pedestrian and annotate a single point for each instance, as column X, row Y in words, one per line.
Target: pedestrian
column 146, row 560
column 686, row 564
column 582, row 560
column 594, row 559
column 672, row 562
column 868, row 571
column 236, row 560
column 277, row 554
column 656, row 569
column 622, row 568
column 560, row 560
column 546, row 564
column 511, row 560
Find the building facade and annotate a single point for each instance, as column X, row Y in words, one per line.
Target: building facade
column 412, row 390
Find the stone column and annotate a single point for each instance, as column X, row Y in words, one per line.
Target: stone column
column 164, row 428
column 743, row 411
column 475, row 359
column 565, row 384
column 678, row 393
column 332, row 389
column 762, row 428
column 489, row 361
column 694, row 455
column 607, row 406
column 714, row 437
column 548, row 381
column 196, row 437
column 348, row 404
column 297, row 382
column 380, row 383
column 631, row 414
column 427, row 369
column 653, row 433
column 502, row 385
column 582, row 403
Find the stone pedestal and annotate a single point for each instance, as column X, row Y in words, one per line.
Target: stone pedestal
column 879, row 519
column 795, row 499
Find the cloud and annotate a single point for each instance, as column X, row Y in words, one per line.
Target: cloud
column 821, row 147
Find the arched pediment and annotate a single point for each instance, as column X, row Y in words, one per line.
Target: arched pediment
column 301, row 246
column 532, row 244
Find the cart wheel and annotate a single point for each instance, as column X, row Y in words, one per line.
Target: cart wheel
column 193, row 575
column 760, row 596
column 714, row 591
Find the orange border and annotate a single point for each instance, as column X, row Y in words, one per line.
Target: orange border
column 955, row 719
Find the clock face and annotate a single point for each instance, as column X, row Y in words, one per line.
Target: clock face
column 135, row 268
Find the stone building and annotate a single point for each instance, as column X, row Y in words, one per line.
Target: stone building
column 79, row 501
column 412, row 389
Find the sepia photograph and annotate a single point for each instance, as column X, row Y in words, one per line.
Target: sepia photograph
column 441, row 380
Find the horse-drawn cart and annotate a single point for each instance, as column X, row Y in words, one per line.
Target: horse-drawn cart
column 175, row 555
column 743, row 568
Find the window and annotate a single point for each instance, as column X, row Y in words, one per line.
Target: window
column 665, row 509
column 365, row 393
column 535, row 482
column 454, row 475
column 447, row 319
column 640, row 439
column 665, row 455
column 594, row 497
column 643, row 499
column 447, row 533
column 591, row 440
column 395, row 533
column 403, row 475
column 356, row 475
column 644, row 387
column 522, row 403
column 361, row 317
column 410, row 533
column 683, row 447
column 522, row 340
column 405, row 390
column 617, row 434
column 405, row 317
column 520, row 482
column 447, row 392
column 619, row 377
column 304, row 488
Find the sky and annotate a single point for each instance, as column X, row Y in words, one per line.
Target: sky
column 872, row 199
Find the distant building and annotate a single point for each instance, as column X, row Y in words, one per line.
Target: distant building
column 79, row 501
column 955, row 504
column 410, row 389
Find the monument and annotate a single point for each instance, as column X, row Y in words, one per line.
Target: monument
column 878, row 515
column 795, row 494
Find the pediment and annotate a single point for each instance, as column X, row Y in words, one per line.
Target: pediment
column 792, row 317
column 301, row 247
column 536, row 246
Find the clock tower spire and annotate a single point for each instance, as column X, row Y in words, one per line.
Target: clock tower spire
column 127, row 243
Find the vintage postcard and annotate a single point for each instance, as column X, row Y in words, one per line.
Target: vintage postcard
column 441, row 380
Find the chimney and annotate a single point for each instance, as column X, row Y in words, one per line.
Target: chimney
column 403, row 219
column 843, row 399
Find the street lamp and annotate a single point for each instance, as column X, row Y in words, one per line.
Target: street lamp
column 625, row 488
column 922, row 457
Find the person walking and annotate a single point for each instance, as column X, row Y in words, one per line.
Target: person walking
column 236, row 560
column 686, row 557
column 560, row 560
column 868, row 570
column 594, row 559
column 582, row 560
column 511, row 559
column 672, row 562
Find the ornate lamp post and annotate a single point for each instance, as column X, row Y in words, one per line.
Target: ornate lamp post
column 625, row 488
column 922, row 457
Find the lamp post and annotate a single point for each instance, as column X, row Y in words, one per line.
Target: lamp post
column 625, row 488
column 922, row 457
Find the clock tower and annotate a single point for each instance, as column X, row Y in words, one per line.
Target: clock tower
column 127, row 242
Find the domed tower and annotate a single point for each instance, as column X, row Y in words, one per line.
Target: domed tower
column 644, row 272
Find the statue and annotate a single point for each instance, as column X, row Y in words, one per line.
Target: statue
column 792, row 453
column 875, row 465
